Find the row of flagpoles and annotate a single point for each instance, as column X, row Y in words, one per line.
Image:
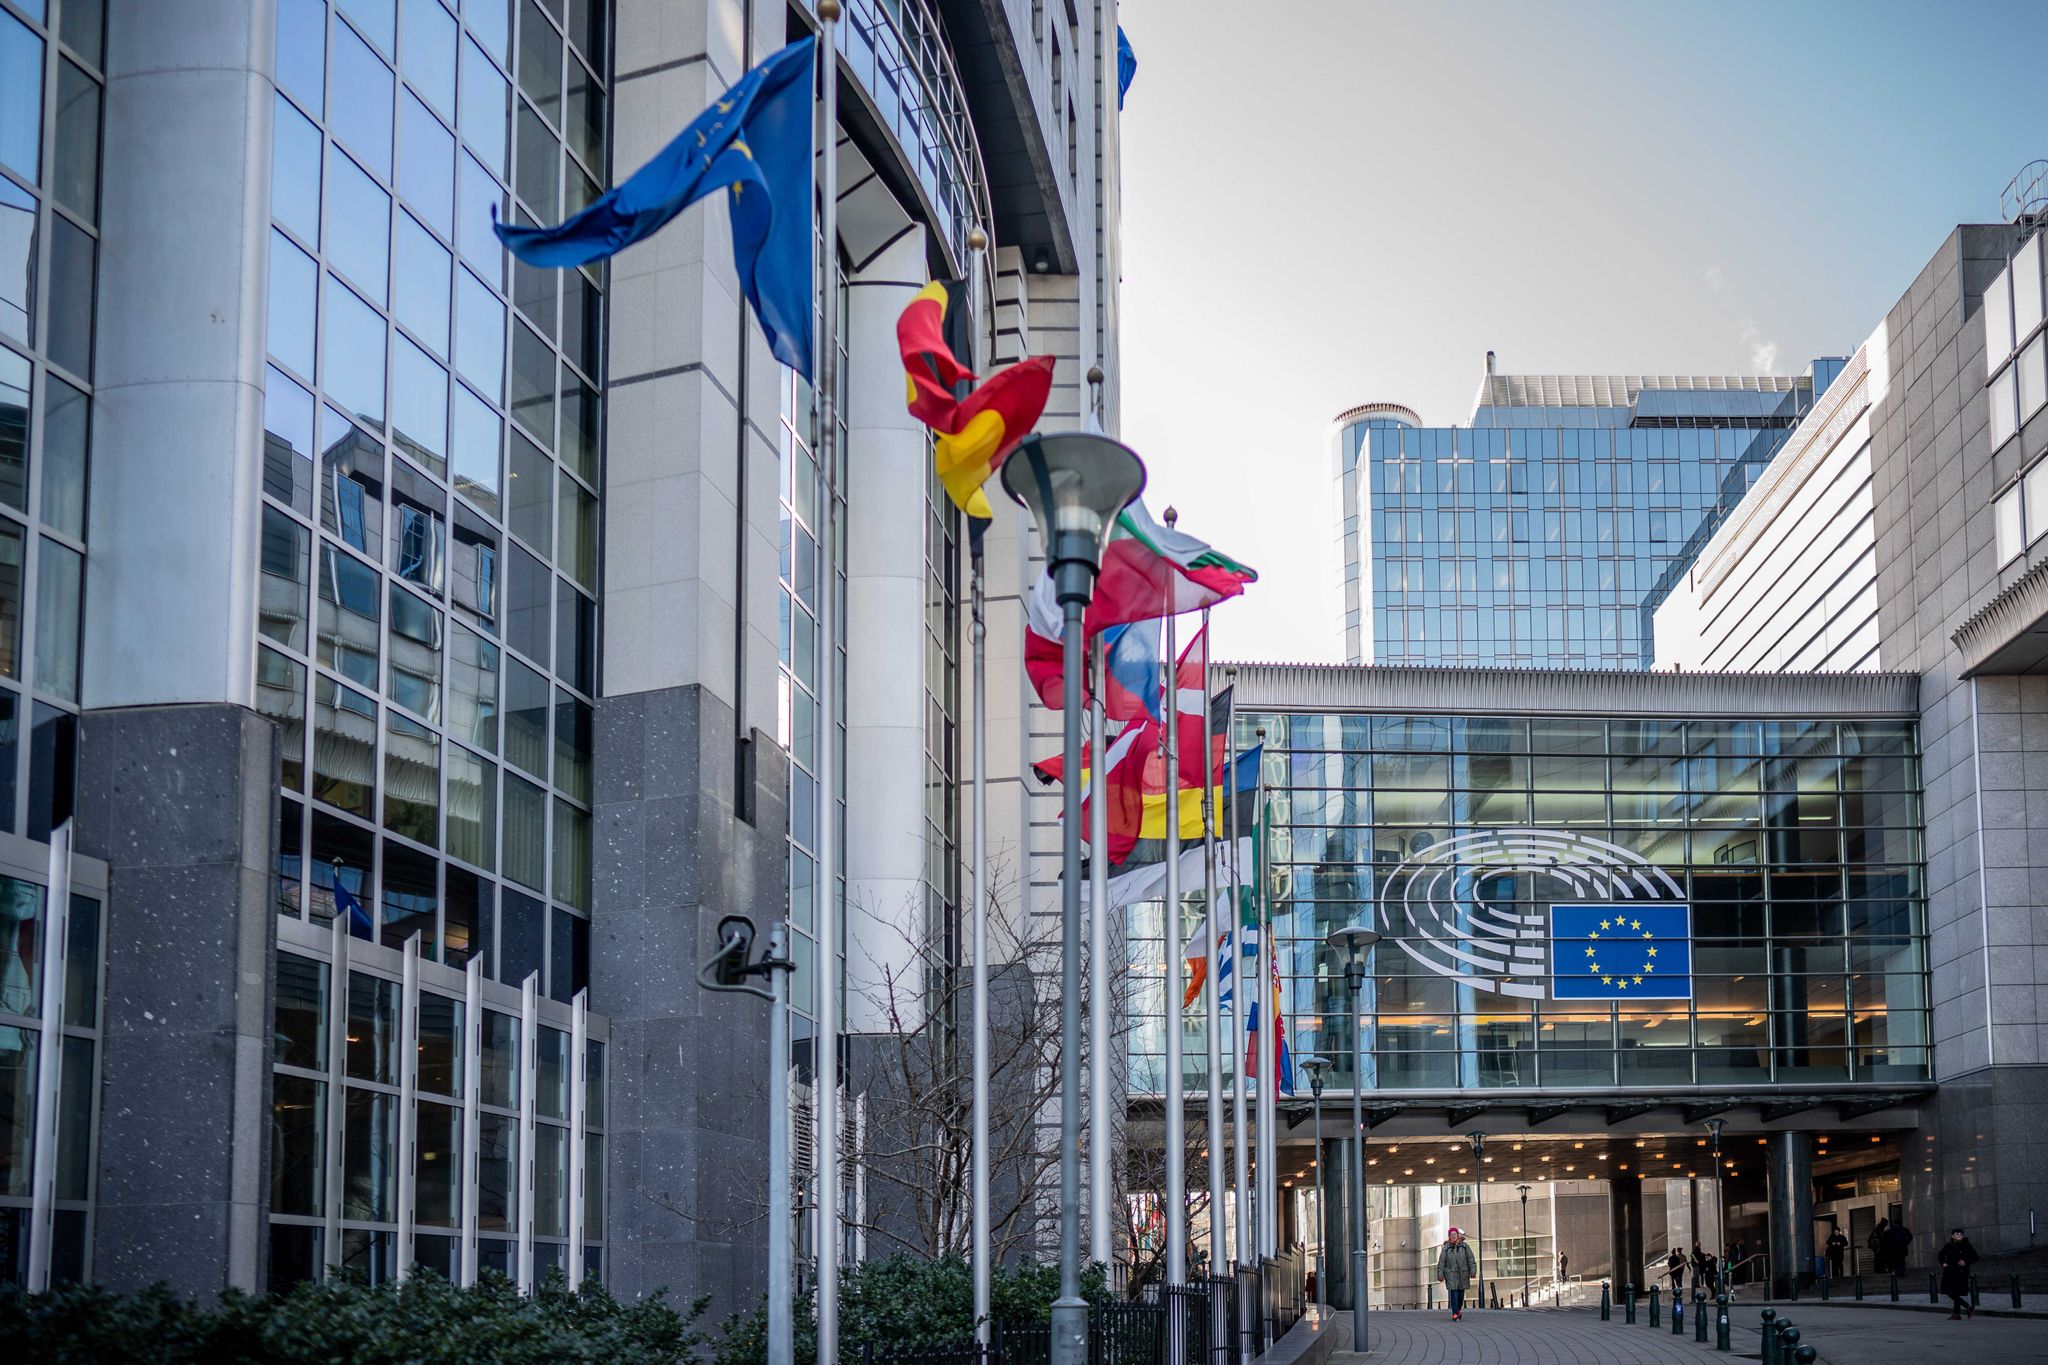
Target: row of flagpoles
column 759, row 144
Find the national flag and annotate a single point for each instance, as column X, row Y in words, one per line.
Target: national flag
column 345, row 903
column 1634, row 950
column 975, row 434
column 1153, row 570
column 1131, row 659
column 1126, row 67
column 755, row 141
column 1143, row 866
column 1045, row 660
column 1282, row 1056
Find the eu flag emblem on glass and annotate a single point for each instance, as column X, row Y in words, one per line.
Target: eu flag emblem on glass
column 1625, row 951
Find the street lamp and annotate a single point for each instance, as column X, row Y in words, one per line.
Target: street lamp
column 1073, row 484
column 1315, row 1066
column 1355, row 943
column 1715, row 1126
column 1479, row 1213
column 1527, row 1259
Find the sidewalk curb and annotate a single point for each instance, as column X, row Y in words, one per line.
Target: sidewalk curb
column 1874, row 1305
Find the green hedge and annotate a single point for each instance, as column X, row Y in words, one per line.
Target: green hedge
column 424, row 1319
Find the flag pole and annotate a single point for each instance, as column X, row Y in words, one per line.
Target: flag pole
column 978, row 1194
column 1176, row 1200
column 1101, row 1137
column 1239, row 999
column 826, row 385
column 1269, row 1039
column 1213, row 1020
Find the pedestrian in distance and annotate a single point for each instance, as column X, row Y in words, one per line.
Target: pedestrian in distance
column 1897, row 1239
column 1838, row 1252
column 1703, row 1270
column 1957, row 1256
column 1456, row 1268
column 1562, row 1261
column 1876, row 1244
column 1674, row 1266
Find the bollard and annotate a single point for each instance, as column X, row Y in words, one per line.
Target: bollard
column 1792, row 1294
column 2015, row 1291
column 1826, row 1290
column 1933, row 1288
column 1976, row 1295
column 1895, row 1286
column 1788, row 1342
column 1607, row 1303
column 1770, row 1337
column 1431, row 1305
column 1699, row 1316
column 1805, row 1355
column 1677, row 1314
column 1653, row 1305
column 1859, row 1286
column 1721, row 1321
column 1628, row 1302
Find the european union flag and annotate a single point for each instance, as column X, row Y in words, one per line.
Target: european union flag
column 1621, row 951
column 345, row 904
column 757, row 140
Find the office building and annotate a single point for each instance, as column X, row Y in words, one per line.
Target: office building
column 448, row 656
column 1528, row 537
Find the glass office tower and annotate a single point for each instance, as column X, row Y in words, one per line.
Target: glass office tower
column 1529, row 538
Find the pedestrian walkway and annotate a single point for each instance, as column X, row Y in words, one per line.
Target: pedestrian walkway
column 1576, row 1336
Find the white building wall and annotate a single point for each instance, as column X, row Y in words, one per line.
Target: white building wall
column 1789, row 582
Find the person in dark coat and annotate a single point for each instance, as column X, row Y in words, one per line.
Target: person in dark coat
column 1704, row 1274
column 1956, row 1259
column 1876, row 1244
column 1838, row 1251
column 1897, row 1238
column 1674, row 1266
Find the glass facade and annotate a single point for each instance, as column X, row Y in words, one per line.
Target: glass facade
column 1531, row 538
column 430, row 526
column 1795, row 844
column 50, row 101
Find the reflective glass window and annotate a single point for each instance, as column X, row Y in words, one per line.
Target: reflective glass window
column 415, row 654
column 585, row 124
column 295, row 172
column 298, row 1139
column 522, row 934
column 17, row 258
column 293, row 280
column 369, row 1143
column 472, row 808
column 412, row 804
column 491, row 22
column 281, row 695
column 361, row 118
column 66, row 415
column 302, row 51
column 354, row 336
column 528, row 587
column 426, row 162
column 2026, row 287
column 539, row 181
column 579, row 426
column 572, row 746
column 575, row 638
column 437, row 1170
column 21, row 99
column 344, row 746
column 526, row 719
column 479, row 336
column 2032, row 367
column 473, row 236
column 358, row 228
column 287, row 559
column 348, row 616
column 69, row 311
column 525, row 846
column 540, row 61
column 12, row 567
column 427, row 54
column 577, row 543
column 419, row 406
column 374, row 17
column 473, row 689
column 485, row 108
column 75, row 178
column 82, row 23
column 533, row 384
column 532, row 483
column 478, row 435
column 14, row 429
column 420, row 284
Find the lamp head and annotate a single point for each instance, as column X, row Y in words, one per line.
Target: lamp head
column 1352, row 941
column 1316, row 1066
column 1073, row 483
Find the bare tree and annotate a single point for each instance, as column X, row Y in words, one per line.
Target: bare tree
column 1144, row 1191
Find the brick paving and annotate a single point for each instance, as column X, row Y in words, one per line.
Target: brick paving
column 1576, row 1336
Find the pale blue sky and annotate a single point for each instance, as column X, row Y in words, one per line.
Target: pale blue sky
column 1333, row 201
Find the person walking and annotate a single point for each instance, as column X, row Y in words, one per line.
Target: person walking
column 1562, row 1261
column 1898, row 1238
column 1838, row 1252
column 1876, row 1244
column 1956, row 1259
column 1456, row 1268
column 1674, row 1266
column 1703, row 1273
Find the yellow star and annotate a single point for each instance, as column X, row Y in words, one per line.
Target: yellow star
column 1635, row 924
column 1649, row 966
column 1639, row 981
column 1589, row 952
column 1594, row 966
column 1607, row 981
column 1606, row 924
column 1623, row 985
column 1653, row 952
column 1592, row 935
column 1648, row 934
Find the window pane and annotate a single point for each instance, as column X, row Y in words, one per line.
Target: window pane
column 21, row 99
column 52, row 759
column 75, row 178
column 540, row 61
column 369, row 1140
column 572, row 746
column 415, row 654
column 74, row 1134
column 499, row 1084
column 428, row 56
column 21, row 927
column 438, row 1170
column 526, row 719
column 420, row 284
column 478, row 433
column 535, row 291
column 533, row 478
column 373, row 17
column 11, row 572
column 586, row 117
column 2026, row 285
column 14, row 430
column 65, row 416
column 461, row 911
column 528, row 586
column 348, row 616
column 426, row 162
column 473, row 690
column 352, row 485
column 298, row 1132
column 300, row 1035
column 358, row 228
column 293, row 277
column 551, row 1087
column 575, row 638
column 473, row 236
column 281, row 695
column 578, row 544
column 70, row 310
column 440, row 1070
column 479, row 336
column 419, row 407
column 412, row 795
column 550, row 1181
column 287, row 572
column 497, row 1173
column 491, row 21
column 17, row 258
column 295, row 172
column 582, row 323
column 579, row 426
column 60, row 583
column 302, row 51
column 372, row 1029
column 472, row 808
column 523, row 931
column 2033, row 376
column 1998, row 321
column 484, row 108
column 355, row 354
column 361, row 119
column 82, row 24
column 525, row 844
column 539, row 182
column 572, row 859
column 82, row 964
column 344, row 747
column 533, row 385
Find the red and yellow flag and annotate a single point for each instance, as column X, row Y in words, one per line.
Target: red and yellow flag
column 975, row 433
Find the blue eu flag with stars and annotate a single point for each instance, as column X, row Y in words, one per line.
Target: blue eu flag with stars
column 1621, row 951
column 755, row 141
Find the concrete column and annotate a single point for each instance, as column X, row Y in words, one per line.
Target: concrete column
column 178, row 402
column 1625, row 1231
column 184, row 1132
column 889, row 464
column 1791, row 1209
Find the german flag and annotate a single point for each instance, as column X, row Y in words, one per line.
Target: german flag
column 976, row 433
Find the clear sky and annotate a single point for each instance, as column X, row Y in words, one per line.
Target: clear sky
column 1329, row 202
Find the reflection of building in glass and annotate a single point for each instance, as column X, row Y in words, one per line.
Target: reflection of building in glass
column 1529, row 537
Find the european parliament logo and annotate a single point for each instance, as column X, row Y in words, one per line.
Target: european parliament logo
column 1621, row 951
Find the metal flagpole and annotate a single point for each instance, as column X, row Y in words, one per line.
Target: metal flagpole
column 781, row 1221
column 1240, row 999
column 826, row 384
column 977, row 633
column 1213, row 1019
column 1101, row 1244
column 1176, row 1104
column 1269, row 1039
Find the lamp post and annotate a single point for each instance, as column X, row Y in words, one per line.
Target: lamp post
column 1527, row 1259
column 1715, row 1126
column 1315, row 1066
column 1073, row 484
column 1479, row 1213
column 1355, row 943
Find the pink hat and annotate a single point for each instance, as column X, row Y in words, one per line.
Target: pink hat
column 1455, row 1233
